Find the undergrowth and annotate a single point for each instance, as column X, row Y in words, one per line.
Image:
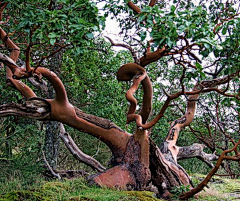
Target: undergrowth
column 75, row 189
column 78, row 189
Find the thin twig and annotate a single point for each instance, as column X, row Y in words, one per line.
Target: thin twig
column 49, row 167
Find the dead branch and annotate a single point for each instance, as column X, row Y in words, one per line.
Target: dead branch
column 35, row 108
column 196, row 150
column 49, row 167
column 77, row 153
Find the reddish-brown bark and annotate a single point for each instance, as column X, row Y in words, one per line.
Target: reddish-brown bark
column 137, row 160
column 138, row 74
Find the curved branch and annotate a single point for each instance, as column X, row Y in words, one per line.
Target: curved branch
column 49, row 167
column 134, row 7
column 77, row 153
column 147, row 99
column 60, row 91
column 178, row 124
column 63, row 111
column 221, row 92
column 103, row 129
column 221, row 23
column 195, row 93
column 150, row 57
column 14, row 49
column 171, row 149
column 209, row 176
column 12, row 66
column 2, row 7
column 133, row 71
column 136, row 60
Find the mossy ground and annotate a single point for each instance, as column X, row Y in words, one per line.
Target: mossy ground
column 77, row 189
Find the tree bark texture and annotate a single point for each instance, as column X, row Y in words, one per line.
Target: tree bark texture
column 137, row 161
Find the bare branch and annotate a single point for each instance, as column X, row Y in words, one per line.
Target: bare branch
column 49, row 167
column 77, row 153
column 134, row 55
column 196, row 150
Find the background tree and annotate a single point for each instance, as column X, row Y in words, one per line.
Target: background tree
column 196, row 50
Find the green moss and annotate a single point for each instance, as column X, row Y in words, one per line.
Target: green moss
column 143, row 195
column 79, row 190
column 68, row 190
column 23, row 195
column 56, row 186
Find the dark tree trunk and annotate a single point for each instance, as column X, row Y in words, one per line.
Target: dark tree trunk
column 52, row 140
column 51, row 144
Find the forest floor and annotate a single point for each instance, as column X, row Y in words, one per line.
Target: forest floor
column 219, row 189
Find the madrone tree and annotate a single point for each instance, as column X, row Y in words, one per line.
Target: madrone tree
column 201, row 39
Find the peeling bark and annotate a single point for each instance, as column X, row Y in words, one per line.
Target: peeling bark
column 166, row 174
column 130, row 174
column 35, row 108
column 137, row 161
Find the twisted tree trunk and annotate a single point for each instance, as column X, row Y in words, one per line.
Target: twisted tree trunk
column 137, row 161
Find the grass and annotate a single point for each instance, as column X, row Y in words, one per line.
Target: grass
column 75, row 189
column 78, row 189
column 219, row 189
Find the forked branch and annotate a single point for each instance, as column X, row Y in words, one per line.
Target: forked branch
column 134, row 55
column 12, row 66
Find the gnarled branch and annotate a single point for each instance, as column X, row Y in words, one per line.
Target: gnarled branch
column 196, row 150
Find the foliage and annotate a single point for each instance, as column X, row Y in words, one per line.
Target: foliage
column 202, row 43
column 50, row 21
column 178, row 190
column 89, row 73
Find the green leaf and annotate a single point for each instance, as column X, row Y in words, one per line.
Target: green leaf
column 199, row 66
column 173, row 8
column 52, row 41
column 90, row 35
column 141, row 17
column 143, row 35
column 224, row 30
column 52, row 35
